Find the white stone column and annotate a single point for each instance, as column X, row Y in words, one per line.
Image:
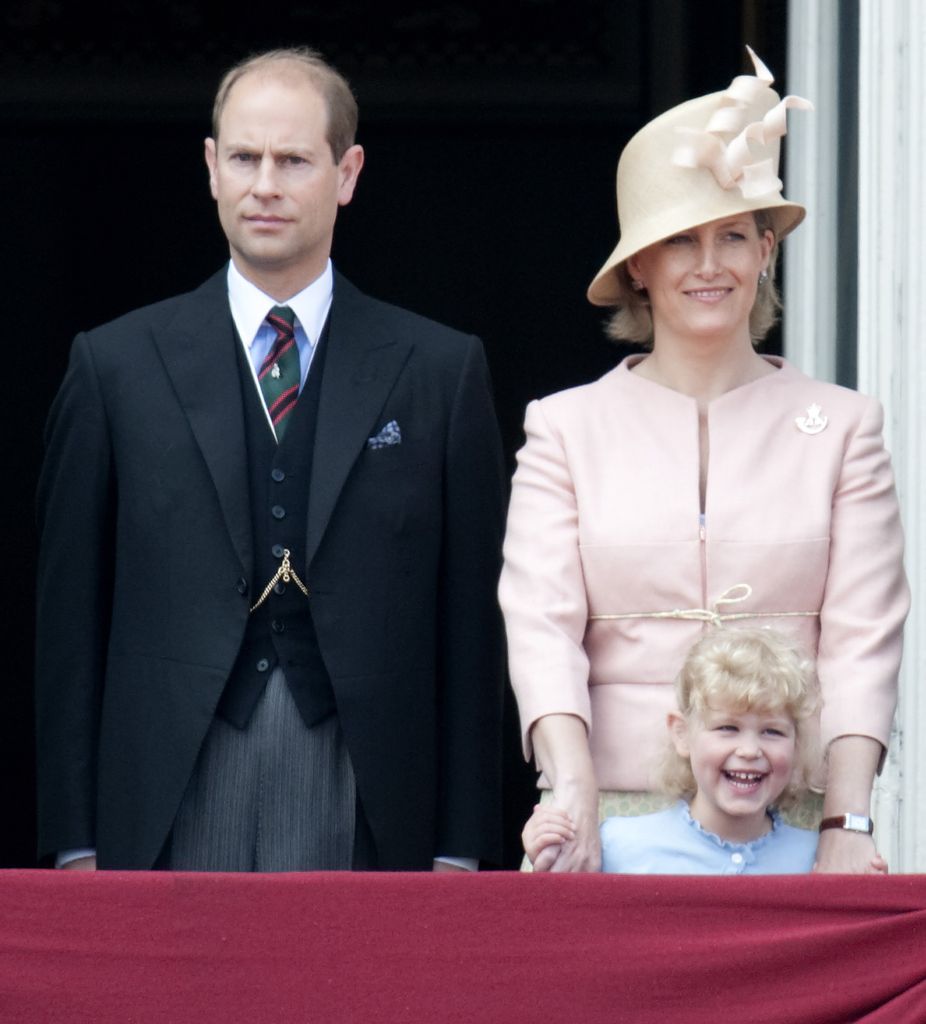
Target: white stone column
column 892, row 359
column 810, row 177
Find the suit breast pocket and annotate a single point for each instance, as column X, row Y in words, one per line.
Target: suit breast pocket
column 398, row 488
column 409, row 458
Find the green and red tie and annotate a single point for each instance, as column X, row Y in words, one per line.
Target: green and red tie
column 279, row 373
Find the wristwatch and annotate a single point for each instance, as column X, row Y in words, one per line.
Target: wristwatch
column 849, row 822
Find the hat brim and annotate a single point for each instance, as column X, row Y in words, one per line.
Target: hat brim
column 607, row 288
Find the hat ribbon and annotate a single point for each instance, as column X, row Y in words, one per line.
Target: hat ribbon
column 732, row 163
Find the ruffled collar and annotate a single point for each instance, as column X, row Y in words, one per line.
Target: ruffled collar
column 726, row 844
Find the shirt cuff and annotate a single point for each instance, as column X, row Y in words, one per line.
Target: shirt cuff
column 66, row 856
column 467, row 863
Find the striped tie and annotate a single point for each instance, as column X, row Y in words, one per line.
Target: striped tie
column 279, row 373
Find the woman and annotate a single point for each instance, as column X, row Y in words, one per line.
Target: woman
column 699, row 484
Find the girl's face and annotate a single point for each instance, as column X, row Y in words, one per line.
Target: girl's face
column 702, row 282
column 741, row 761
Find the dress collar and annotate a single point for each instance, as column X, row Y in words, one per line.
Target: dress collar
column 726, row 844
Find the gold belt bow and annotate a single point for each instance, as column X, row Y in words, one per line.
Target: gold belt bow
column 732, row 595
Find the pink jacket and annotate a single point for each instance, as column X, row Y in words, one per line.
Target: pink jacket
column 604, row 520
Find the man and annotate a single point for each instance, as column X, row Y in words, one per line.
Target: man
column 270, row 519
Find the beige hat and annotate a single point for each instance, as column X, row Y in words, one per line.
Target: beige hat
column 714, row 156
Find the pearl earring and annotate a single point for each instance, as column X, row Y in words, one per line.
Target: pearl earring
column 763, row 276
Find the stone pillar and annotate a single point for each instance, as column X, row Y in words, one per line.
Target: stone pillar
column 811, row 164
column 892, row 359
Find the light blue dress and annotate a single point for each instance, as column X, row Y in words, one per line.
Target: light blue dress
column 671, row 842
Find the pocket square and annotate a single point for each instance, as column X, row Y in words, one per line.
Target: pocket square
column 390, row 434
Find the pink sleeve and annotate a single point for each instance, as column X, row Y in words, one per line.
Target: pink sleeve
column 866, row 598
column 542, row 588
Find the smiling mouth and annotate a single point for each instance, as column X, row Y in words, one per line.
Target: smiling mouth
column 744, row 780
column 708, row 293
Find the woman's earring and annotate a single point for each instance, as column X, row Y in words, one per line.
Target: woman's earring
column 763, row 276
column 638, row 285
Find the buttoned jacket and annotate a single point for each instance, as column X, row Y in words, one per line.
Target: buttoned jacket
column 801, row 533
column 147, row 573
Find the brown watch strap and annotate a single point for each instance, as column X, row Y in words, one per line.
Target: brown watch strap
column 849, row 822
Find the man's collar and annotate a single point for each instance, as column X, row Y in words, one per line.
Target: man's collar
column 249, row 305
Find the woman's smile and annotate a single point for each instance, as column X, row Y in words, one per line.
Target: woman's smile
column 708, row 294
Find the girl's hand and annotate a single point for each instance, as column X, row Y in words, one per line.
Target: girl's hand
column 582, row 852
column 878, row 865
column 562, row 753
column 547, row 829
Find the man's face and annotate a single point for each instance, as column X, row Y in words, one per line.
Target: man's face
column 273, row 176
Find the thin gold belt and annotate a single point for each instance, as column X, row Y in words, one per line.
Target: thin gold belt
column 732, row 595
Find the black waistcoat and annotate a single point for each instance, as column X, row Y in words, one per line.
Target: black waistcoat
column 281, row 630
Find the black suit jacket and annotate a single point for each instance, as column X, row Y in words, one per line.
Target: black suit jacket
column 146, row 534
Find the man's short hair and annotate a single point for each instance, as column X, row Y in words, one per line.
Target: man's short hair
column 333, row 86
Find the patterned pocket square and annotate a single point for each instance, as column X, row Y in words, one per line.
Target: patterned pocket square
column 390, row 434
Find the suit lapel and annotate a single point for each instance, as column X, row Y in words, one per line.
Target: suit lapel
column 198, row 349
column 361, row 365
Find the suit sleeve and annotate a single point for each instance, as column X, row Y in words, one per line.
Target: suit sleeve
column 469, row 622
column 542, row 588
column 866, row 597
column 74, row 587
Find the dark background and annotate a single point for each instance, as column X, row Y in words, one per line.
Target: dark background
column 492, row 132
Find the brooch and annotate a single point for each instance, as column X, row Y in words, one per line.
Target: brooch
column 275, row 371
column 813, row 422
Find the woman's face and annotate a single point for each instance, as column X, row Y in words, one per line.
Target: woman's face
column 702, row 282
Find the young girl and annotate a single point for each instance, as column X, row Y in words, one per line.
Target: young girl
column 740, row 750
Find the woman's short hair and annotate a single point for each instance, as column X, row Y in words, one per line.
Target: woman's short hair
column 756, row 670
column 333, row 86
column 633, row 320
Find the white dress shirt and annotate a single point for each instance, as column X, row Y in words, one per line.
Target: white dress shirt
column 249, row 309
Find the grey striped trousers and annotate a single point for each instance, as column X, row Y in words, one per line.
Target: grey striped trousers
column 274, row 796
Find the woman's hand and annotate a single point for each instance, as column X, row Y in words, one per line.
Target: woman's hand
column 852, row 762
column 583, row 851
column 848, row 853
column 563, row 754
column 553, row 843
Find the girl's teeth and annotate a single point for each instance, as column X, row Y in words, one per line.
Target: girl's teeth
column 744, row 777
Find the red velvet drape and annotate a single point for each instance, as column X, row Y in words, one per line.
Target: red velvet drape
column 272, row 949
